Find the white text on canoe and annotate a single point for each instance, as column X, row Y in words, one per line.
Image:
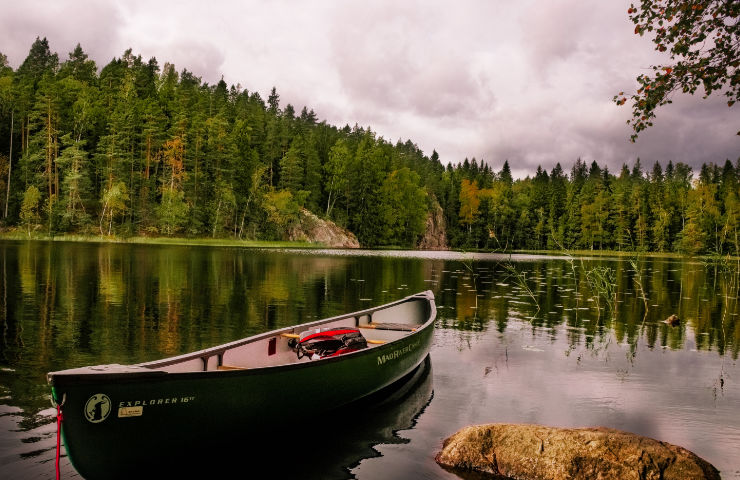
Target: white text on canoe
column 156, row 401
column 396, row 354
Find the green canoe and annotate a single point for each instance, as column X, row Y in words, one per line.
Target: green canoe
column 119, row 420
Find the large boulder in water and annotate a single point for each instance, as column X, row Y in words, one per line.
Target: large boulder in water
column 546, row 453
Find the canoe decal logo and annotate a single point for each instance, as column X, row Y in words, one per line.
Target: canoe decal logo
column 396, row 354
column 97, row 408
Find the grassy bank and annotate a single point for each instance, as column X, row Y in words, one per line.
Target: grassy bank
column 227, row 242
column 211, row 242
column 605, row 253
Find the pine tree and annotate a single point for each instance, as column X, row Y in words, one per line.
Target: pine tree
column 558, row 192
column 76, row 186
column 402, row 208
column 505, row 174
column 366, row 174
column 334, row 170
column 291, row 170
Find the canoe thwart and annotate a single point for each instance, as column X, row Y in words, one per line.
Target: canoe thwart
column 406, row 327
column 230, row 367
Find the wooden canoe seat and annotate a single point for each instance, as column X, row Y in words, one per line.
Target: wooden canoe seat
column 230, row 367
column 373, row 342
column 405, row 327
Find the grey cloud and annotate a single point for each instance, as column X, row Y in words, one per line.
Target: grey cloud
column 402, row 62
column 695, row 131
column 577, row 62
column 526, row 81
column 93, row 24
column 201, row 58
column 549, row 34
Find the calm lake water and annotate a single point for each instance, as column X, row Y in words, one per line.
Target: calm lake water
column 551, row 340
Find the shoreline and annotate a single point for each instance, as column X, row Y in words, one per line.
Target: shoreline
column 286, row 244
column 137, row 240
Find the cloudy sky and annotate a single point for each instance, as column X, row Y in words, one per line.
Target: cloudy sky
column 529, row 81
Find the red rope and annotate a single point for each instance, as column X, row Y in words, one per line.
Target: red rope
column 59, row 438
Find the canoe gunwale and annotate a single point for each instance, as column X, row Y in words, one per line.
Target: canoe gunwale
column 220, row 349
column 152, row 369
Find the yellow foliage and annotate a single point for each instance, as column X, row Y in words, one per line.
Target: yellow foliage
column 469, row 201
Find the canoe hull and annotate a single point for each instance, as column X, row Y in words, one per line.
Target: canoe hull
column 122, row 422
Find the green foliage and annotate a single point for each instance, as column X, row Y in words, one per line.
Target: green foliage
column 291, row 169
column 701, row 38
column 141, row 150
column 335, row 171
column 366, row 173
column 403, row 207
column 223, row 208
column 282, row 210
column 76, row 185
column 30, row 207
column 172, row 211
column 593, row 209
column 115, row 204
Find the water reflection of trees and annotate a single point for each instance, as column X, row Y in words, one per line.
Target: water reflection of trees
column 72, row 304
column 704, row 297
column 122, row 303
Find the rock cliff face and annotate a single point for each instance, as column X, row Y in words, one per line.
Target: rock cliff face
column 313, row 229
column 435, row 235
column 544, row 453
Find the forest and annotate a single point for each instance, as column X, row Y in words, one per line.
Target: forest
column 135, row 149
